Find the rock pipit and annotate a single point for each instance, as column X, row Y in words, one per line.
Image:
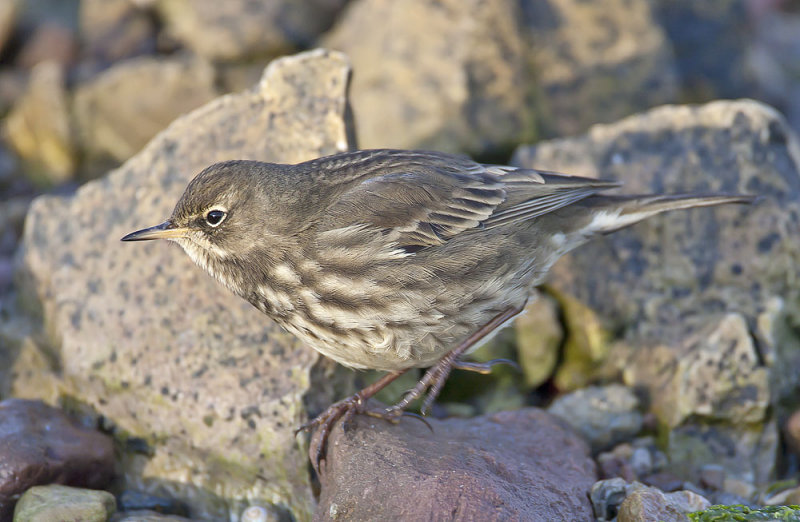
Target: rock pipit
column 392, row 259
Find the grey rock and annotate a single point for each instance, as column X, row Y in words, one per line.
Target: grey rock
column 64, row 504
column 644, row 504
column 120, row 110
column 714, row 374
column 40, row 445
column 596, row 62
column 606, row 496
column 210, row 387
column 241, row 29
column 667, row 276
column 144, row 515
column 39, row 128
column 710, row 40
column 712, row 476
column 524, row 464
column 604, row 415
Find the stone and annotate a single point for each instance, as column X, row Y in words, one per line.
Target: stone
column 606, row 497
column 144, row 515
column 50, row 42
column 596, row 62
column 204, row 391
column 241, row 29
column 538, row 336
column 39, row 128
column 713, row 374
column 8, row 16
column 712, row 476
column 604, row 415
column 792, row 432
column 666, row 278
column 64, row 504
column 708, row 71
column 451, row 75
column 113, row 30
column 787, row 496
column 121, row 109
column 131, row 500
column 507, row 465
column 587, row 346
column 41, row 445
column 646, row 503
column 617, row 463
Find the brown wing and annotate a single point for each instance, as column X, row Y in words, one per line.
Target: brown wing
column 421, row 199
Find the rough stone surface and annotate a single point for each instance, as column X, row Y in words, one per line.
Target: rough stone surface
column 662, row 278
column 713, row 374
column 64, row 504
column 239, row 29
column 40, row 445
column 646, row 503
column 539, row 335
column 208, row 388
column 516, row 465
column 604, row 415
column 120, row 110
column 112, row 30
column 450, row 75
column 38, row 127
column 596, row 62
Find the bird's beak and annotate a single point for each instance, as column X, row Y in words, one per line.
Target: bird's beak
column 165, row 230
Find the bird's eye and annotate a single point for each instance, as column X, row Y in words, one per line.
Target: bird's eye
column 215, row 217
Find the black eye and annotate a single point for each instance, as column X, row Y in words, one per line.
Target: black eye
column 215, row 217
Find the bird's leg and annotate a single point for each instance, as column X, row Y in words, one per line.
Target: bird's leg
column 435, row 377
column 346, row 408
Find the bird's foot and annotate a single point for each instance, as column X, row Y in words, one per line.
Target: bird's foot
column 484, row 368
column 430, row 386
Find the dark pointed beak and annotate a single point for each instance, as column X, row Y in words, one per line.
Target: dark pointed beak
column 165, row 230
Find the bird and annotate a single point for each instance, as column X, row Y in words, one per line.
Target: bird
column 394, row 259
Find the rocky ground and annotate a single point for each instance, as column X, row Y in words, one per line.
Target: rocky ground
column 659, row 371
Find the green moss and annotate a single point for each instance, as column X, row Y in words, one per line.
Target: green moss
column 744, row 513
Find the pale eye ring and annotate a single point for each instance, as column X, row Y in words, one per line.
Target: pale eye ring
column 215, row 217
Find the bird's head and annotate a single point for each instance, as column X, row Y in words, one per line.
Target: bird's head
column 226, row 212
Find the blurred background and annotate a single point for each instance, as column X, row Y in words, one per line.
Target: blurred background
column 85, row 84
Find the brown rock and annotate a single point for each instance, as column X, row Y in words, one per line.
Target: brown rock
column 792, row 431
column 120, row 110
column 239, row 29
column 645, row 504
column 210, row 386
column 515, row 465
column 8, row 15
column 40, row 445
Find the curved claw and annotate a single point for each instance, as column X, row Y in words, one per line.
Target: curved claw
column 419, row 417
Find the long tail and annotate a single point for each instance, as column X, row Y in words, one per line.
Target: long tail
column 611, row 213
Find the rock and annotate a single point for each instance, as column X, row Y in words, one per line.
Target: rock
column 748, row 453
column 713, row 374
column 113, row 30
column 708, row 71
column 206, row 390
column 666, row 278
column 40, row 445
column 539, row 335
column 587, row 345
column 604, row 415
column 507, row 465
column 39, row 129
column 64, row 504
column 645, row 504
column 617, row 463
column 259, row 514
column 792, row 431
column 450, row 75
column 596, row 62
column 139, row 501
column 8, row 15
column 143, row 515
column 119, row 111
column 241, row 29
column 50, row 42
column 787, row 496
column 712, row 476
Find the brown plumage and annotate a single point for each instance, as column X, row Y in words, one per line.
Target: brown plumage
column 390, row 259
